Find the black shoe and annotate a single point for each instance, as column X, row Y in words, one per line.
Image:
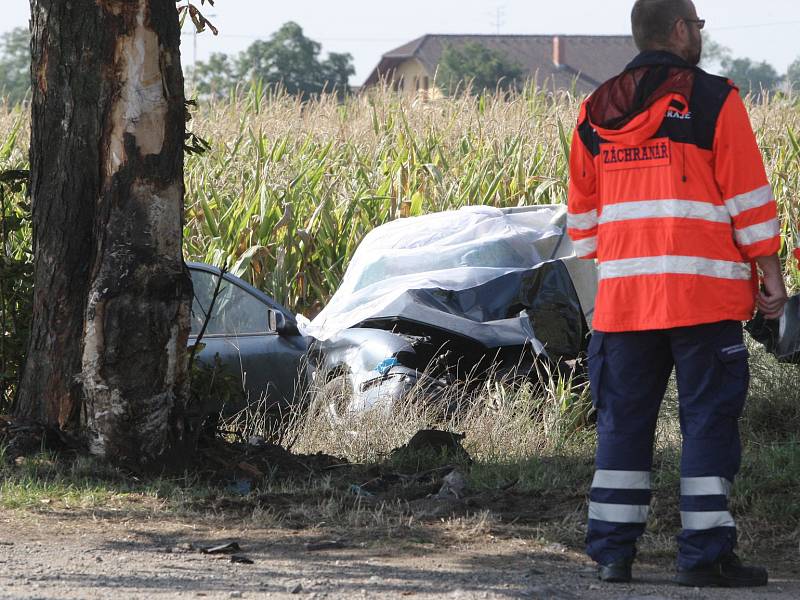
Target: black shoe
column 617, row 572
column 727, row 571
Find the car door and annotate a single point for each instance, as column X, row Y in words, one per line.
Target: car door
column 267, row 363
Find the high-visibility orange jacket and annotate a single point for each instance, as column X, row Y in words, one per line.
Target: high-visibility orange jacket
column 668, row 191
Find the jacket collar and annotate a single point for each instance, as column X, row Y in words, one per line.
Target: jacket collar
column 650, row 58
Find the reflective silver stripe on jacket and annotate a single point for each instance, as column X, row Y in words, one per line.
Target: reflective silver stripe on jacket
column 757, row 233
column 705, row 486
column 665, row 209
column 681, row 265
column 743, row 202
column 618, row 513
column 582, row 221
column 584, row 247
column 621, row 480
column 700, row 520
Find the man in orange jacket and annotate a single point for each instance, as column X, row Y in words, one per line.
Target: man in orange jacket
column 668, row 192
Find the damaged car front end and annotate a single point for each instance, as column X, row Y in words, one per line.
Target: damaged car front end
column 363, row 368
column 448, row 298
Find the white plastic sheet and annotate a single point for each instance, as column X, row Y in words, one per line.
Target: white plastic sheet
column 452, row 250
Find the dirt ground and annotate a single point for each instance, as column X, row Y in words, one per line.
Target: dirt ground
column 91, row 556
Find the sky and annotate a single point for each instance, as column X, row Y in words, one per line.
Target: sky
column 767, row 30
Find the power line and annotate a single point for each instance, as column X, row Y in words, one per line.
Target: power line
column 322, row 39
column 754, row 25
column 497, row 23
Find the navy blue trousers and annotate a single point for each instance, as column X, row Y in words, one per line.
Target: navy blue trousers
column 629, row 373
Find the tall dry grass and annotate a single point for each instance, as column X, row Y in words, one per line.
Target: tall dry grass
column 288, row 189
column 502, row 421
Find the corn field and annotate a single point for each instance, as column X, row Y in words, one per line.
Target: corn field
column 287, row 189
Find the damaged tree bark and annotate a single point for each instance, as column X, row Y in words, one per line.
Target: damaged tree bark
column 107, row 355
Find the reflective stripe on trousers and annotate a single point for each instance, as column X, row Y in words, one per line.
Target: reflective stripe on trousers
column 617, row 497
column 628, row 374
column 704, row 502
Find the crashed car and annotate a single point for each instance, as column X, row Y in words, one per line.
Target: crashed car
column 250, row 336
column 431, row 300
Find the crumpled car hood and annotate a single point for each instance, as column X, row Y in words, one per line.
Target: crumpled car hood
column 498, row 277
column 536, row 306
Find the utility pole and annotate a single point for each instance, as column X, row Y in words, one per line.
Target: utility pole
column 193, row 79
column 194, row 57
column 499, row 18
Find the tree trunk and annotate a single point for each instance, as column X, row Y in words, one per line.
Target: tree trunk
column 111, row 300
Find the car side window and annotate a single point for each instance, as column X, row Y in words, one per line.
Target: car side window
column 236, row 312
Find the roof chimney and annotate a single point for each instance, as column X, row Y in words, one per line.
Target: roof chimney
column 558, row 51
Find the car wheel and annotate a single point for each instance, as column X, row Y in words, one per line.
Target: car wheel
column 332, row 400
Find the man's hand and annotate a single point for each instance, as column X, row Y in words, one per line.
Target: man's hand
column 773, row 297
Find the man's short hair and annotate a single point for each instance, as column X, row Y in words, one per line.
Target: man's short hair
column 652, row 21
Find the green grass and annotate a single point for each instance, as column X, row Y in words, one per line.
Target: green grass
column 770, row 483
column 45, row 482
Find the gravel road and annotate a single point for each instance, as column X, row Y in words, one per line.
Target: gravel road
column 50, row 556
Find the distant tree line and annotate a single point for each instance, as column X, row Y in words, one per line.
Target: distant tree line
column 288, row 58
column 292, row 60
column 15, row 65
column 474, row 67
column 751, row 77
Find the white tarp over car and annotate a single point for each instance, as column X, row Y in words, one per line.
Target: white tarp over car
column 453, row 250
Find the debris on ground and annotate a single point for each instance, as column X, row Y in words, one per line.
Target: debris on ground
column 360, row 491
column 240, row 487
column 184, row 548
column 429, row 475
column 22, row 437
column 229, row 548
column 325, row 545
column 242, row 466
column 454, row 485
column 429, row 446
column 241, row 559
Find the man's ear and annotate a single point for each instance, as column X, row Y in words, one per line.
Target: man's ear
column 680, row 30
